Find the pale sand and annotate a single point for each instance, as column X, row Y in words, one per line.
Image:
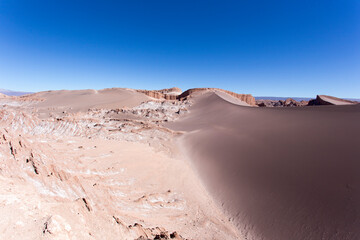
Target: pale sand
column 82, row 100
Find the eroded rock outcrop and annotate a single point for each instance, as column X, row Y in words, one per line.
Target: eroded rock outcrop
column 157, row 233
column 167, row 94
column 281, row 103
column 329, row 100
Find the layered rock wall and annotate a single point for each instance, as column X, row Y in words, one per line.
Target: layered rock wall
column 167, row 94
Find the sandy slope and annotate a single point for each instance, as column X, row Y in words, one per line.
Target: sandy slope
column 67, row 172
column 82, row 100
column 281, row 173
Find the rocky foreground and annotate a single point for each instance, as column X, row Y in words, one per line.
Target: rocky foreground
column 83, row 165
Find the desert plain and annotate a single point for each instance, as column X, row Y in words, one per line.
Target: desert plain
column 165, row 164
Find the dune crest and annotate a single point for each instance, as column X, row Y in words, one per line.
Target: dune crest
column 248, row 98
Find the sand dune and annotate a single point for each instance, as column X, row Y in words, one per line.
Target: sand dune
column 247, row 98
column 82, row 100
column 231, row 99
column 284, row 173
column 3, row 95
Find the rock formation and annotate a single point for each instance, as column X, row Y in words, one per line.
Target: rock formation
column 167, row 94
column 281, row 103
column 329, row 100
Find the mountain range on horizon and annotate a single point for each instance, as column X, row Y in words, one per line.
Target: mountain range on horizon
column 13, row 93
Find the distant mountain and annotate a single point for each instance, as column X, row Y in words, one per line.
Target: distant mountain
column 13, row 93
column 353, row 99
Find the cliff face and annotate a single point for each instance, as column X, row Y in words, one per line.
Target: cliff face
column 167, row 94
column 248, row 98
column 177, row 94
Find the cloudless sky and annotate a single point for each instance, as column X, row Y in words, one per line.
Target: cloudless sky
column 266, row 48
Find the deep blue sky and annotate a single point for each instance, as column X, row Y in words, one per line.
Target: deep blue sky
column 266, row 48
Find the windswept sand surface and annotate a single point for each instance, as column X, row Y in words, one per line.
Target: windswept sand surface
column 281, row 174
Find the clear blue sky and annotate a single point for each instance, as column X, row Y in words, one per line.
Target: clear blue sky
column 266, row 48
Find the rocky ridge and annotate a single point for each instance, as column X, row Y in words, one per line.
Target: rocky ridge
column 281, row 103
column 329, row 100
column 320, row 100
column 168, row 93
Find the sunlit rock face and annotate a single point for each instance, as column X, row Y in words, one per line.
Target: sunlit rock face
column 330, row 100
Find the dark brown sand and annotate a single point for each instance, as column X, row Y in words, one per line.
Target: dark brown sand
column 281, row 173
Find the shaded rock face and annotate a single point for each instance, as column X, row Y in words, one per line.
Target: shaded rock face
column 281, row 103
column 329, row 100
column 248, row 98
column 167, row 94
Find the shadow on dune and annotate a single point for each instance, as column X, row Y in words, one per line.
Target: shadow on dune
column 284, row 173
